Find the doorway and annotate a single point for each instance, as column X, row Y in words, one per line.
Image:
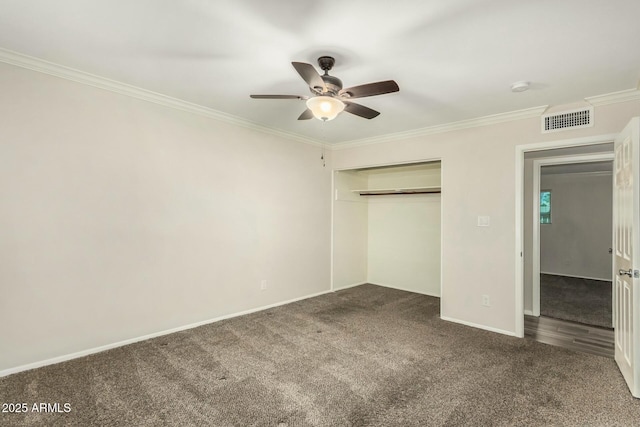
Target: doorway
column 558, row 162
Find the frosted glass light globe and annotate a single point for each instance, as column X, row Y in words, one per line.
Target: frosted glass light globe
column 325, row 107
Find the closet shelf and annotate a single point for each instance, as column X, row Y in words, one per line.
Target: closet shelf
column 394, row 191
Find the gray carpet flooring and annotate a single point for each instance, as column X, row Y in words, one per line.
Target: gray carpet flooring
column 366, row 356
column 578, row 300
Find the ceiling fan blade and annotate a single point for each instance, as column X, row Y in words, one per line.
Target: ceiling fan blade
column 278, row 97
column 306, row 115
column 370, row 89
column 310, row 75
column 360, row 110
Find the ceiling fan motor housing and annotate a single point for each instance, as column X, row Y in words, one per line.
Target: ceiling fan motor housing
column 333, row 84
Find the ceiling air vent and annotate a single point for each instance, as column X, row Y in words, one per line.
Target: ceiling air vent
column 572, row 119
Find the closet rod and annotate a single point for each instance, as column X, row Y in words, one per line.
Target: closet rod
column 395, row 193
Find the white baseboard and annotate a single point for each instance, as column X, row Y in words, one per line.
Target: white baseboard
column 475, row 325
column 400, row 288
column 577, row 277
column 353, row 285
column 529, row 313
column 102, row 348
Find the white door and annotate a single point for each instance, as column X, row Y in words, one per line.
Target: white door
column 626, row 262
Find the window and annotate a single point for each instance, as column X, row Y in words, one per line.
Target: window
column 545, row 207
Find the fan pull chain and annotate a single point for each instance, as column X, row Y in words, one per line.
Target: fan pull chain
column 322, row 131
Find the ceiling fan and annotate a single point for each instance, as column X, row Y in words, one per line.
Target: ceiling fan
column 328, row 98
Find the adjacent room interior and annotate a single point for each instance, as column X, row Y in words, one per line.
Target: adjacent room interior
column 575, row 243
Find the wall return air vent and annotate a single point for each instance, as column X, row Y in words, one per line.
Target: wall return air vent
column 571, row 119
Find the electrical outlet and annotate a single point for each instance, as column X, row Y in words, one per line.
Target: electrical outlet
column 484, row 221
column 263, row 285
column 485, row 301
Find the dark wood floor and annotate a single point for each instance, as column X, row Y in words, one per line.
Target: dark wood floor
column 574, row 336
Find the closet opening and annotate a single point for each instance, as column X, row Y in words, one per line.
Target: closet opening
column 387, row 227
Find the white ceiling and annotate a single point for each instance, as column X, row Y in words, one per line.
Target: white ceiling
column 453, row 59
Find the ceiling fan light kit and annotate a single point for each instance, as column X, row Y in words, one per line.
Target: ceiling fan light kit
column 328, row 98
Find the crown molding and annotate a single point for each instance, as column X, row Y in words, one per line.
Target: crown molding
column 46, row 67
column 447, row 127
column 614, row 97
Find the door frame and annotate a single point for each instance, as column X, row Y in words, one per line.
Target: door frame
column 535, row 244
column 520, row 150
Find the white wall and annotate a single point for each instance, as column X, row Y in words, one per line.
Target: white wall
column 404, row 242
column 350, row 230
column 577, row 241
column 120, row 218
column 478, row 176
